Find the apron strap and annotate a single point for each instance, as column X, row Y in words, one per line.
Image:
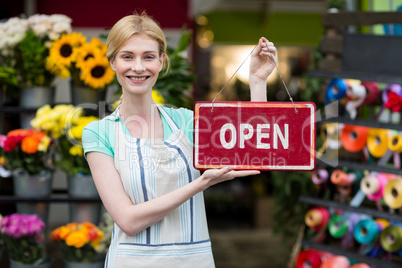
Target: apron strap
column 168, row 119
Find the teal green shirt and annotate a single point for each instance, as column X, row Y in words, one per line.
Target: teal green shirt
column 98, row 136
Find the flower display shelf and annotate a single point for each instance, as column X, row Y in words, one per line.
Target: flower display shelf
column 58, row 196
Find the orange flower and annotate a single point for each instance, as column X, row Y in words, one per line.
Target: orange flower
column 55, row 234
column 72, row 226
column 30, row 144
column 77, row 239
column 19, row 132
column 64, row 231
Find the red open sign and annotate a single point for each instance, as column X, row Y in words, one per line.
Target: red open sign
column 254, row 135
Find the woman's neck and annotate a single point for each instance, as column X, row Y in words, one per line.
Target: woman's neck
column 143, row 106
column 142, row 118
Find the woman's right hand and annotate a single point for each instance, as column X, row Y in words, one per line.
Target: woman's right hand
column 215, row 176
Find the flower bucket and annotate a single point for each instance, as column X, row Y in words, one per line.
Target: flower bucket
column 83, row 186
column 83, row 264
column 44, row 264
column 34, row 97
column 82, row 94
column 26, row 185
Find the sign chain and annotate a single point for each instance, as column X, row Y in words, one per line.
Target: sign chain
column 280, row 75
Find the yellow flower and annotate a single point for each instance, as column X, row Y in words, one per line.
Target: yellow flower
column 2, row 163
column 62, row 49
column 88, row 51
column 158, row 98
column 76, row 150
column 56, row 120
column 97, row 72
column 101, row 46
column 57, row 68
column 76, row 131
column 44, row 144
column 84, row 120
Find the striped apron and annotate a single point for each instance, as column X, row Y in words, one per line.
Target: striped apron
column 148, row 169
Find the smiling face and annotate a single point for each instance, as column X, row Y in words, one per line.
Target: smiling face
column 137, row 64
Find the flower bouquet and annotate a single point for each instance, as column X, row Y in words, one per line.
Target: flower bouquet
column 27, row 149
column 65, row 124
column 23, row 237
column 85, row 62
column 24, row 47
column 79, row 242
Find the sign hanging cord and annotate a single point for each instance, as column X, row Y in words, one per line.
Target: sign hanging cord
column 276, row 66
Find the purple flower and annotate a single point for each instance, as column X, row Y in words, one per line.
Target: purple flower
column 19, row 225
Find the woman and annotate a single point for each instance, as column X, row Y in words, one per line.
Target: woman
column 141, row 156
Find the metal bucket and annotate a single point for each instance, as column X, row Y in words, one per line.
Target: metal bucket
column 26, row 185
column 34, row 97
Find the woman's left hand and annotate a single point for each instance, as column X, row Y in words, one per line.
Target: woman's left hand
column 263, row 60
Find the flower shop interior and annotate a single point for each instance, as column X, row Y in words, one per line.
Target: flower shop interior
column 340, row 56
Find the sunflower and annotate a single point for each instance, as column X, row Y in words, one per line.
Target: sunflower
column 88, row 51
column 102, row 46
column 55, row 67
column 97, row 72
column 62, row 50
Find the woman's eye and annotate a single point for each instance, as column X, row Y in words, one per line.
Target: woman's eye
column 149, row 57
column 126, row 56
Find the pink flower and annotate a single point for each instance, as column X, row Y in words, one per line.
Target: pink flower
column 19, row 225
column 2, row 140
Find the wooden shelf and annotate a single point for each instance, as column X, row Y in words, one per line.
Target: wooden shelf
column 50, row 199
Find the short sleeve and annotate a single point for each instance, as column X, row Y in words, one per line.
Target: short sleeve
column 184, row 118
column 96, row 137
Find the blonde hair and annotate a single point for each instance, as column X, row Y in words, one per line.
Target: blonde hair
column 131, row 25
column 136, row 24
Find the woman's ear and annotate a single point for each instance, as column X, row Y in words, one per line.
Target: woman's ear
column 112, row 65
column 162, row 60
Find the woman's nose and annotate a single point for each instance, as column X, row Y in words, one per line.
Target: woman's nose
column 138, row 67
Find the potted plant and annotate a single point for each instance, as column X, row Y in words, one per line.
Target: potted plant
column 80, row 243
column 28, row 156
column 65, row 124
column 24, row 239
column 27, row 151
column 24, row 48
column 85, row 62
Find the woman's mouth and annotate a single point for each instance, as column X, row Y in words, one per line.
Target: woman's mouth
column 138, row 78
